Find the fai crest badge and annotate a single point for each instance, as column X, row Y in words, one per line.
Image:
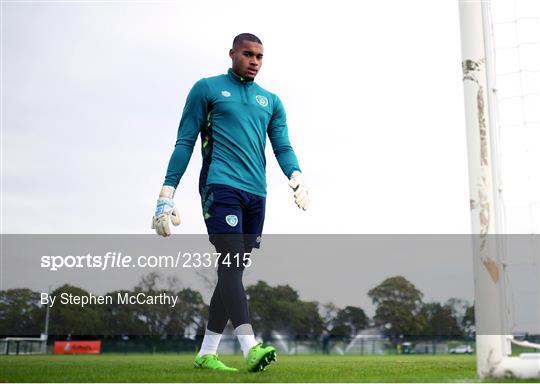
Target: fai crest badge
column 232, row 220
column 262, row 100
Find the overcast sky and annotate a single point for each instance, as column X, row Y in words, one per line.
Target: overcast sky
column 92, row 94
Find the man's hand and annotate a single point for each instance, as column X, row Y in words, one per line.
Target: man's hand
column 165, row 209
column 301, row 198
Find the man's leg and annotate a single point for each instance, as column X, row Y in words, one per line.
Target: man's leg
column 225, row 224
column 224, row 221
column 233, row 294
column 218, row 314
column 258, row 356
column 217, row 320
column 230, row 271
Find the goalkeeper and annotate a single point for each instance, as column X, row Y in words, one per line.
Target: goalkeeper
column 233, row 115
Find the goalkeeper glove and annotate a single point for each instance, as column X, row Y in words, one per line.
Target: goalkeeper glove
column 301, row 198
column 165, row 210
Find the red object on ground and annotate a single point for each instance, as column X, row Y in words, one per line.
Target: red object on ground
column 76, row 347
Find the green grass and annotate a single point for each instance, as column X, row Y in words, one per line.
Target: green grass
column 178, row 368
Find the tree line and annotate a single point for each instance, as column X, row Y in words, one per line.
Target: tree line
column 400, row 312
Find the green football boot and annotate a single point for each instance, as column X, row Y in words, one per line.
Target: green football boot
column 212, row 362
column 259, row 357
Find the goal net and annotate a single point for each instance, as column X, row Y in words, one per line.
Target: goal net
column 501, row 71
column 515, row 37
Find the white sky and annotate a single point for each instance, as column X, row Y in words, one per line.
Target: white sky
column 92, row 94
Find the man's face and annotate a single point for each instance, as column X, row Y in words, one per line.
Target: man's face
column 247, row 59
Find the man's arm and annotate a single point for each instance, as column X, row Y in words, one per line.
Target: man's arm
column 279, row 137
column 193, row 117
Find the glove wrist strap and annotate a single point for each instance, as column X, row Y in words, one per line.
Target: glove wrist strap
column 167, row 191
column 295, row 174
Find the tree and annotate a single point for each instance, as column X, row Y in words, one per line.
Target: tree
column 155, row 316
column 349, row 321
column 72, row 319
column 21, row 313
column 328, row 313
column 189, row 314
column 458, row 307
column 399, row 306
column 123, row 319
column 440, row 321
column 159, row 320
column 468, row 324
column 280, row 309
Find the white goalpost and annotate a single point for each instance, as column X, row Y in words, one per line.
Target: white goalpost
column 488, row 213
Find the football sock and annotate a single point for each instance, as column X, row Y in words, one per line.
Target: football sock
column 210, row 343
column 246, row 337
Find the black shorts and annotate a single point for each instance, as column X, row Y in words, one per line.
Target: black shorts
column 234, row 218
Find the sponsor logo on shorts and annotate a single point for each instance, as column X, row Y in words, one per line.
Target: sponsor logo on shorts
column 262, row 100
column 232, row 220
column 258, row 239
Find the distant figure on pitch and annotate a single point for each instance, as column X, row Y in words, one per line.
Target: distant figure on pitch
column 325, row 342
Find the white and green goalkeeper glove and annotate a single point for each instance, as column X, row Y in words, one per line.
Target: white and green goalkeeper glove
column 300, row 189
column 165, row 210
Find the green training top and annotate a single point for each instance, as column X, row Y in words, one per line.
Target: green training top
column 233, row 116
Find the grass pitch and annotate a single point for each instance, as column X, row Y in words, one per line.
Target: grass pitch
column 179, row 368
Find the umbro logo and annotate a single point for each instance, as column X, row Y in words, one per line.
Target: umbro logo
column 226, row 93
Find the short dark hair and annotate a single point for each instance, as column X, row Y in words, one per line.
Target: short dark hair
column 245, row 36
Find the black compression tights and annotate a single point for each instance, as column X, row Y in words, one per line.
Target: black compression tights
column 229, row 299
